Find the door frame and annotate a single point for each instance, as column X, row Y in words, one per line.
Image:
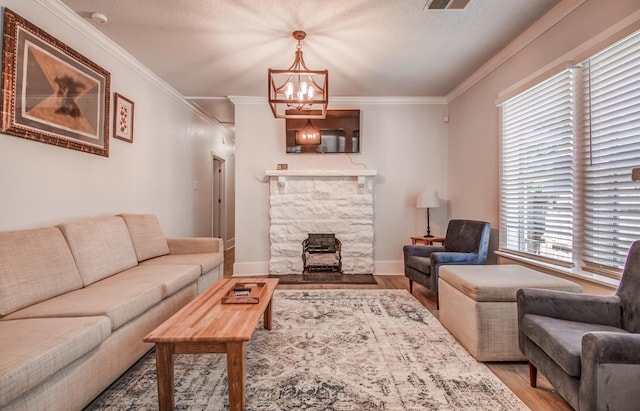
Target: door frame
column 218, row 205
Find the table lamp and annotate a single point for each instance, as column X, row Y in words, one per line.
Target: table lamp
column 428, row 199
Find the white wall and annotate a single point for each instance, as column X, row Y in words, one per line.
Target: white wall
column 41, row 184
column 473, row 163
column 403, row 139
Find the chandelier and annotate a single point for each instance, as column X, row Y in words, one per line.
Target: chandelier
column 298, row 92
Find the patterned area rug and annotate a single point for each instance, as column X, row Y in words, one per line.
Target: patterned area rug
column 332, row 350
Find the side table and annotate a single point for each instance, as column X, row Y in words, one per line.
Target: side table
column 427, row 240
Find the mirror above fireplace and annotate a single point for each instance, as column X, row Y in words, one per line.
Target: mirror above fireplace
column 339, row 133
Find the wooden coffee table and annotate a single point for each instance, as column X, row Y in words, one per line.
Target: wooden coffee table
column 206, row 325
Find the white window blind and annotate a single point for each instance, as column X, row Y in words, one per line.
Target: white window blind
column 537, row 170
column 611, row 132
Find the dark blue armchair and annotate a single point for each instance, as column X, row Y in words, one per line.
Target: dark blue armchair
column 466, row 242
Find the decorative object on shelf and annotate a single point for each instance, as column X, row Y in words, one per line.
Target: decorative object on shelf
column 123, row 118
column 309, row 134
column 298, row 92
column 428, row 199
column 51, row 93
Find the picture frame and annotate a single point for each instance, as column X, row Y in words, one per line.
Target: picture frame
column 50, row 92
column 122, row 118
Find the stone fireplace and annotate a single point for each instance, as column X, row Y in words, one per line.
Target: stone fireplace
column 321, row 201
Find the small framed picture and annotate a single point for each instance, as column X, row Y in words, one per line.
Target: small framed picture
column 123, row 118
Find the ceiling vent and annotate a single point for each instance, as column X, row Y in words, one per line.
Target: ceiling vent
column 446, row 4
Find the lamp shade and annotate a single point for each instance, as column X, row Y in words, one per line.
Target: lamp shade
column 428, row 199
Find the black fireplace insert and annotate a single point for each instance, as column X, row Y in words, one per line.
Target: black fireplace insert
column 321, row 252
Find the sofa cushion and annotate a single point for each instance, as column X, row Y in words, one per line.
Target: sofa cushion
column 35, row 349
column 172, row 278
column 422, row 264
column 101, row 247
column 118, row 297
column 195, row 245
column 146, row 234
column 35, row 265
column 206, row 261
column 561, row 339
column 466, row 236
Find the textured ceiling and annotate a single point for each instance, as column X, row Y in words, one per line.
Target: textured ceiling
column 218, row 48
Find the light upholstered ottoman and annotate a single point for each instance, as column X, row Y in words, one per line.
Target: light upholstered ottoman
column 478, row 306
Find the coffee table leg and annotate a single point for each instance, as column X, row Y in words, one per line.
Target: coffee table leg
column 164, row 365
column 268, row 318
column 237, row 373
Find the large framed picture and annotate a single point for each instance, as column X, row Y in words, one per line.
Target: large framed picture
column 122, row 118
column 50, row 92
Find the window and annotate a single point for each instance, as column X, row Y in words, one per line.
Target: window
column 537, row 170
column 612, row 148
column 568, row 147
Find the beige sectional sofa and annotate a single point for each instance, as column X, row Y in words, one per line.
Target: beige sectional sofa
column 77, row 299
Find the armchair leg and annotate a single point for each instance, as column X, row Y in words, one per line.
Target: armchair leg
column 437, row 302
column 533, row 375
column 411, row 286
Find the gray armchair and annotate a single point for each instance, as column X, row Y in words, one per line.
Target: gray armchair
column 587, row 346
column 466, row 242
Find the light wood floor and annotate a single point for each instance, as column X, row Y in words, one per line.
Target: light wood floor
column 514, row 375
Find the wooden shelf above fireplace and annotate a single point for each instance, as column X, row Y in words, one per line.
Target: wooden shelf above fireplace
column 281, row 175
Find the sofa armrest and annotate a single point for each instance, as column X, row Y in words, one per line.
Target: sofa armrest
column 610, row 362
column 610, row 347
column 585, row 308
column 195, row 245
column 420, row 250
column 449, row 257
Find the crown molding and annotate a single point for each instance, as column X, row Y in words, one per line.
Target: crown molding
column 364, row 100
column 400, row 100
column 551, row 18
column 71, row 18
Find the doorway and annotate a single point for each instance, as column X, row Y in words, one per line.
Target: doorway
column 217, row 198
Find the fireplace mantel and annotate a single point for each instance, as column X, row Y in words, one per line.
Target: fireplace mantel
column 281, row 175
